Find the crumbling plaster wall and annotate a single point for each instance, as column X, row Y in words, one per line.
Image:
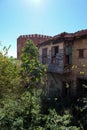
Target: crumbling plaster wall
column 79, row 68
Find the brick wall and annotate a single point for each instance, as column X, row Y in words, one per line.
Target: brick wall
column 35, row 38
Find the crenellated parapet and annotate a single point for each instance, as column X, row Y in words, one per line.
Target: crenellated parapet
column 36, row 38
column 35, row 35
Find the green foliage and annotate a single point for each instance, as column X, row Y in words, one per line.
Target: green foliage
column 30, row 109
column 75, row 109
column 25, row 114
column 80, row 112
column 59, row 122
column 9, row 77
column 22, row 114
column 9, row 115
column 31, row 69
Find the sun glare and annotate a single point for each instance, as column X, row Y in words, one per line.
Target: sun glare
column 36, row 2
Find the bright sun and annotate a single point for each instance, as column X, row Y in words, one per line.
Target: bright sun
column 33, row 3
column 36, row 2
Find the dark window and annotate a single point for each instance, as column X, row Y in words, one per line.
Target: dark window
column 56, row 49
column 81, row 53
column 66, row 59
column 68, row 55
column 44, row 52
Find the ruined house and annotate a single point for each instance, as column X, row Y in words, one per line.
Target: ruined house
column 65, row 57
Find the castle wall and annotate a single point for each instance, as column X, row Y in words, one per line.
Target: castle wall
column 35, row 38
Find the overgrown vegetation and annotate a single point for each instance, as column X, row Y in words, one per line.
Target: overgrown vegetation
column 23, row 101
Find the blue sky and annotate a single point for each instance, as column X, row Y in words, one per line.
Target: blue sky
column 49, row 17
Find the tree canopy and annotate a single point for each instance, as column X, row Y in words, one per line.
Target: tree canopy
column 24, row 107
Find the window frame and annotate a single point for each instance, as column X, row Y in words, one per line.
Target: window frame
column 43, row 51
column 81, row 53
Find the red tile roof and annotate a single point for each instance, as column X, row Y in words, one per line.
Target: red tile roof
column 66, row 36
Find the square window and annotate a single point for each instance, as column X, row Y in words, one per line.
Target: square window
column 81, row 53
column 44, row 51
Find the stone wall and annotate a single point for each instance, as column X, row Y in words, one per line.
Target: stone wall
column 79, row 65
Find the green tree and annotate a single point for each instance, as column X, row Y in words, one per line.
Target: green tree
column 54, row 121
column 28, row 111
column 32, row 71
column 22, row 114
column 9, row 75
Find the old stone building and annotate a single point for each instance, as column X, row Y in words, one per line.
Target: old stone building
column 65, row 57
column 79, row 62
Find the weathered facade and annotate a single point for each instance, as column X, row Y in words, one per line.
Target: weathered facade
column 65, row 56
column 79, row 62
column 56, row 53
